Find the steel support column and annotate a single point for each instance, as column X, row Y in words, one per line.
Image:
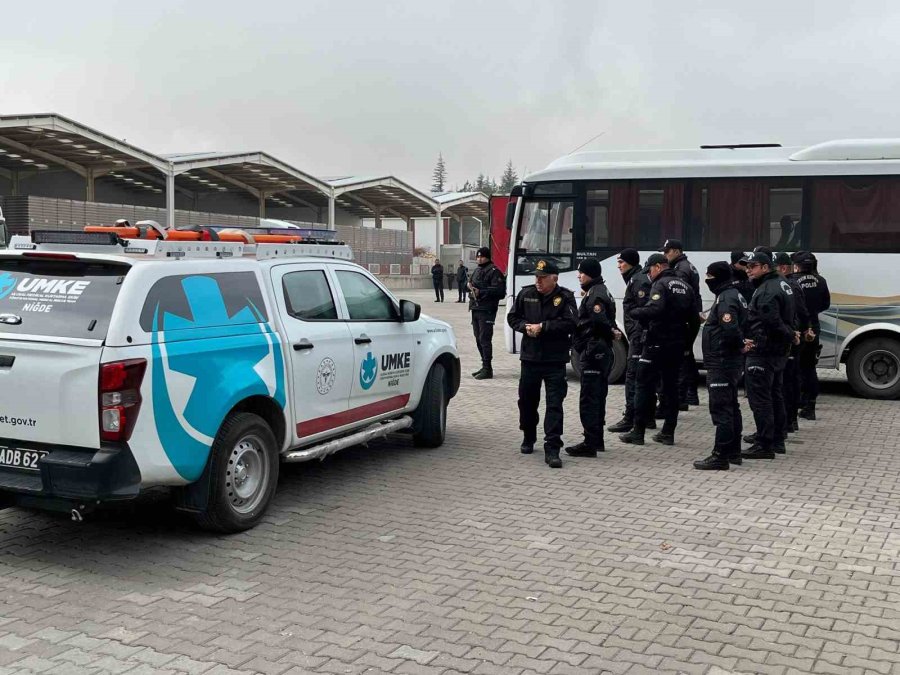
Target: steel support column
column 170, row 197
column 331, row 211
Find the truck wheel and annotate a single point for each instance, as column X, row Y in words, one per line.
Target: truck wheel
column 243, row 473
column 873, row 368
column 430, row 418
column 620, row 361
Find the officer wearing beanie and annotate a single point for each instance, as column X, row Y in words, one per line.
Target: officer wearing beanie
column 594, row 334
column 545, row 313
column 637, row 293
column 667, row 319
column 486, row 289
column 770, row 333
column 723, row 344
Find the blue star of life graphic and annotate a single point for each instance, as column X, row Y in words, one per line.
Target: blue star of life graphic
column 7, row 284
column 367, row 371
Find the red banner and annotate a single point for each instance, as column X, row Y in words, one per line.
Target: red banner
column 499, row 233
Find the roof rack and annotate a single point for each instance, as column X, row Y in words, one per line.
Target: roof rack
column 187, row 244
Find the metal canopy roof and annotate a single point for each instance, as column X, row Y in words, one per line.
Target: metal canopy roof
column 39, row 142
column 389, row 196
column 464, row 204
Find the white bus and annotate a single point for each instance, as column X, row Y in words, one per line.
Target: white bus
column 840, row 200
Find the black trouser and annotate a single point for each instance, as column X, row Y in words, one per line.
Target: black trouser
column 792, row 388
column 809, row 377
column 596, row 362
column 690, row 373
column 483, row 328
column 463, row 290
column 438, row 291
column 634, row 355
column 724, row 408
column 659, row 361
column 553, row 377
column 765, row 389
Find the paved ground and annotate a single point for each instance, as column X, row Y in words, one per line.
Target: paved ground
column 473, row 558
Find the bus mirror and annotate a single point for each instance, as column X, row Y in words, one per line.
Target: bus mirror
column 527, row 190
column 516, row 191
column 510, row 214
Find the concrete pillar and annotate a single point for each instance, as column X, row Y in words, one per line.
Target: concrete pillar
column 14, row 180
column 331, row 212
column 89, row 186
column 377, row 217
column 438, row 231
column 262, row 204
column 170, row 197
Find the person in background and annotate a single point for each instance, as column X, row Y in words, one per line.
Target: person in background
column 546, row 315
column 462, row 278
column 437, row 279
column 486, row 289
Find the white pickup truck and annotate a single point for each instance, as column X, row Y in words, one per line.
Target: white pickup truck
column 128, row 364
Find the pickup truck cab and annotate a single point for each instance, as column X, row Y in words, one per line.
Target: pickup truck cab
column 201, row 365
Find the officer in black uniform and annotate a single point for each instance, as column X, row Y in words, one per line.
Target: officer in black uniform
column 594, row 334
column 546, row 315
column 818, row 300
column 739, row 272
column 770, row 334
column 486, row 289
column 801, row 327
column 637, row 293
column 668, row 318
column 673, row 249
column 723, row 345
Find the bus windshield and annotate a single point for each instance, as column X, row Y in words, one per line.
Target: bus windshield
column 546, row 233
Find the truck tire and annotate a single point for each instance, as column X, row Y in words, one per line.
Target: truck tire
column 873, row 368
column 617, row 372
column 243, row 474
column 430, row 418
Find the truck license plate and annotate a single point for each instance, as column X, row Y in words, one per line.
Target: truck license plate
column 16, row 458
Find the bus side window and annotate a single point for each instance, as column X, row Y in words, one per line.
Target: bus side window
column 861, row 213
column 785, row 209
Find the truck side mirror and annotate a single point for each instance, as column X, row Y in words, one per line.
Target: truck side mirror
column 409, row 311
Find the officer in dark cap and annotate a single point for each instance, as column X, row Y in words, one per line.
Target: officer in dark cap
column 723, row 345
column 667, row 318
column 801, row 327
column 546, row 315
column 594, row 334
column 739, row 272
column 818, row 300
column 673, row 249
column 768, row 340
column 487, row 287
column 637, row 293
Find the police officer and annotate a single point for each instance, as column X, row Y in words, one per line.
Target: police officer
column 545, row 314
column 739, row 272
column 462, row 276
column 437, row 280
column 667, row 318
column 723, row 344
column 486, row 289
column 637, row 293
column 673, row 249
column 770, row 334
column 594, row 334
column 818, row 300
column 801, row 327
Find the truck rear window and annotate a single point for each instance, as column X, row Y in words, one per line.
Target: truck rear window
column 58, row 298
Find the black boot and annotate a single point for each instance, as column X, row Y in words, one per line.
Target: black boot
column 757, row 451
column 750, row 438
column 693, row 398
column 633, row 437
column 733, row 454
column 778, row 448
column 715, row 462
column 650, row 425
column 583, row 450
column 622, row 426
column 682, row 407
column 809, row 411
column 551, row 457
column 527, row 447
column 484, row 374
column 664, row 438
column 480, row 370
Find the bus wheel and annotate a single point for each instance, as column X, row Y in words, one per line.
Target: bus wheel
column 620, row 361
column 873, row 368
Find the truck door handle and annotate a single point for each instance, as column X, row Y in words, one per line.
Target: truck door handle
column 303, row 344
column 363, row 339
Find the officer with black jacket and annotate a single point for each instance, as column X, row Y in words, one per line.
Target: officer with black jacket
column 594, row 334
column 770, row 333
column 801, row 327
column 486, row 289
column 673, row 249
column 723, row 345
column 546, row 315
column 818, row 300
column 667, row 318
column 637, row 293
column 739, row 272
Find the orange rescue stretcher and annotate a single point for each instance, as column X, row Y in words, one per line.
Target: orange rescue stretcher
column 200, row 234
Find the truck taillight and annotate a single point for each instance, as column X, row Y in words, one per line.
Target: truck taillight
column 120, row 398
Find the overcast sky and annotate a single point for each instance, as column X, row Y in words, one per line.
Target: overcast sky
column 366, row 87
